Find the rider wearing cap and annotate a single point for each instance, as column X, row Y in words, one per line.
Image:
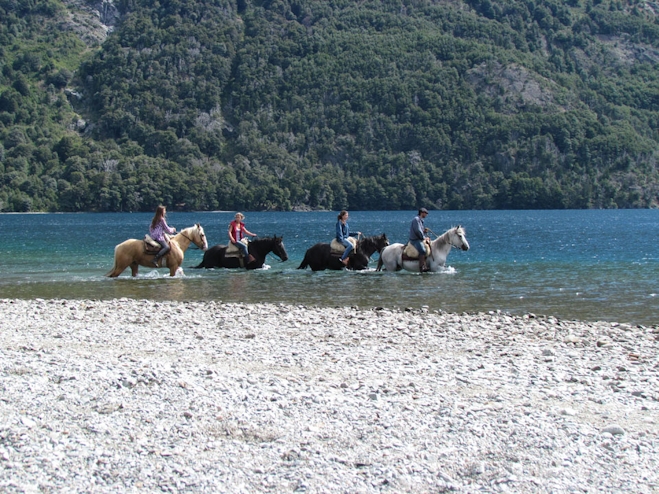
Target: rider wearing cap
column 417, row 237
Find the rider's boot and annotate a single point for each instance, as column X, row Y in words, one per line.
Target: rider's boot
column 422, row 264
column 250, row 259
column 155, row 261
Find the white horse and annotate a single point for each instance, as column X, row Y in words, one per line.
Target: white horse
column 392, row 256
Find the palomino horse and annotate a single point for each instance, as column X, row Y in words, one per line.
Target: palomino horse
column 131, row 252
column 215, row 256
column 320, row 257
column 392, row 256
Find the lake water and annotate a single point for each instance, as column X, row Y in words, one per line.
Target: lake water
column 589, row 265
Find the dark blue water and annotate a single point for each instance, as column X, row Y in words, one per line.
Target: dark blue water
column 589, row 265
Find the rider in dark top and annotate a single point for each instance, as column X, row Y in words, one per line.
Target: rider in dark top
column 417, row 236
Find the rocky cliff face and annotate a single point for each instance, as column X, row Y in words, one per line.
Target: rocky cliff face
column 91, row 20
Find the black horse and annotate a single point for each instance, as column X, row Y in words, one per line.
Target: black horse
column 320, row 257
column 214, row 257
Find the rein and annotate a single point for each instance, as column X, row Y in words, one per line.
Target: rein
column 448, row 242
column 431, row 256
column 270, row 253
column 191, row 241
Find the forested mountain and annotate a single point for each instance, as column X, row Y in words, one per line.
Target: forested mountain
column 303, row 104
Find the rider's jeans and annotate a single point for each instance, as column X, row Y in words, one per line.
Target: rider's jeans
column 418, row 244
column 164, row 248
column 242, row 247
column 348, row 247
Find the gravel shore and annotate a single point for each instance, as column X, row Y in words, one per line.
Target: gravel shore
column 141, row 396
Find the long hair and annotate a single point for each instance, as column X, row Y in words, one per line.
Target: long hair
column 160, row 214
column 341, row 214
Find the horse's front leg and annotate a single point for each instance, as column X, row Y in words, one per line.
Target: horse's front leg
column 134, row 268
column 436, row 264
column 174, row 262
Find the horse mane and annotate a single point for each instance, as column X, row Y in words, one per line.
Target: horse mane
column 367, row 242
column 370, row 243
column 444, row 237
column 192, row 228
column 264, row 239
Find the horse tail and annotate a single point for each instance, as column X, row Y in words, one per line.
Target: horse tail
column 114, row 266
column 304, row 263
column 380, row 263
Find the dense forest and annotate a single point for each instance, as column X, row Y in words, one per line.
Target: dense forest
column 121, row 105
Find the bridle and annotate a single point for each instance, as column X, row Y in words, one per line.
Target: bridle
column 192, row 241
column 277, row 241
column 459, row 235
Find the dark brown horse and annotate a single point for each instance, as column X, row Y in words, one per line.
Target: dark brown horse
column 320, row 256
column 215, row 257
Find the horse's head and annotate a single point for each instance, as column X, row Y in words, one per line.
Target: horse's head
column 457, row 238
column 198, row 236
column 369, row 245
column 278, row 248
column 382, row 241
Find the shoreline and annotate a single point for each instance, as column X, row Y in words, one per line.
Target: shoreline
column 209, row 396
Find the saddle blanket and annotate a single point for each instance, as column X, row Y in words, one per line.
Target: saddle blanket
column 233, row 251
column 337, row 247
column 411, row 253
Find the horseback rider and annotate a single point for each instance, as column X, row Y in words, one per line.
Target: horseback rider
column 342, row 234
column 157, row 232
column 417, row 236
column 237, row 232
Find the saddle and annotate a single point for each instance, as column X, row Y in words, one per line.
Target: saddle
column 150, row 245
column 411, row 254
column 337, row 248
column 233, row 251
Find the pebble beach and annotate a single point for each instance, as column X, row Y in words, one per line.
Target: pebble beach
column 140, row 396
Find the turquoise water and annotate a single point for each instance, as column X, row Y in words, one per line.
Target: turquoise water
column 590, row 265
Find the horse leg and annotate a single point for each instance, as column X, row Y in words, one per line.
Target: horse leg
column 391, row 261
column 133, row 269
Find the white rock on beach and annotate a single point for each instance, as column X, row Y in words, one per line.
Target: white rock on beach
column 135, row 395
